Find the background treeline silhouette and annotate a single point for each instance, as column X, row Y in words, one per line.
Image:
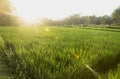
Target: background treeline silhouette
column 7, row 18
column 76, row 19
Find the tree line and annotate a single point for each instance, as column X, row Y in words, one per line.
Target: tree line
column 8, row 19
column 76, row 19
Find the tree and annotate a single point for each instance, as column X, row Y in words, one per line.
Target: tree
column 116, row 16
column 73, row 19
column 5, row 6
column 6, row 17
column 105, row 20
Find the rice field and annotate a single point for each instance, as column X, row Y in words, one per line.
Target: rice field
column 60, row 52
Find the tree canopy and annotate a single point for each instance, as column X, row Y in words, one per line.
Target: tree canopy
column 6, row 16
column 76, row 19
column 116, row 16
column 6, row 6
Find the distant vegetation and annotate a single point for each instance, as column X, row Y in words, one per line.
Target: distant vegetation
column 7, row 18
column 77, row 19
column 6, row 14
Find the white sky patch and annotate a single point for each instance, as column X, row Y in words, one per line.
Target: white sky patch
column 55, row 9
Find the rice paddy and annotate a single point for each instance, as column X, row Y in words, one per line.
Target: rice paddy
column 60, row 52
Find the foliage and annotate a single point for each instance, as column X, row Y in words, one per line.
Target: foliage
column 5, row 6
column 6, row 16
column 112, row 74
column 76, row 19
column 59, row 53
column 6, row 19
column 116, row 16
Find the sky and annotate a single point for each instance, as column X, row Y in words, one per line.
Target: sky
column 56, row 9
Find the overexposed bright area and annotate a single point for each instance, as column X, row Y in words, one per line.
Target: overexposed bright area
column 55, row 9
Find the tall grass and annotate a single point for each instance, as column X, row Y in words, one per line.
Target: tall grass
column 59, row 52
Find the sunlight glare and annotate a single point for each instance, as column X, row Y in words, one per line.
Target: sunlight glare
column 27, row 10
column 46, row 29
column 32, row 10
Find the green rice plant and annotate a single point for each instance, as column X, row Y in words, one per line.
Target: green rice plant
column 59, row 52
column 1, row 43
column 111, row 74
